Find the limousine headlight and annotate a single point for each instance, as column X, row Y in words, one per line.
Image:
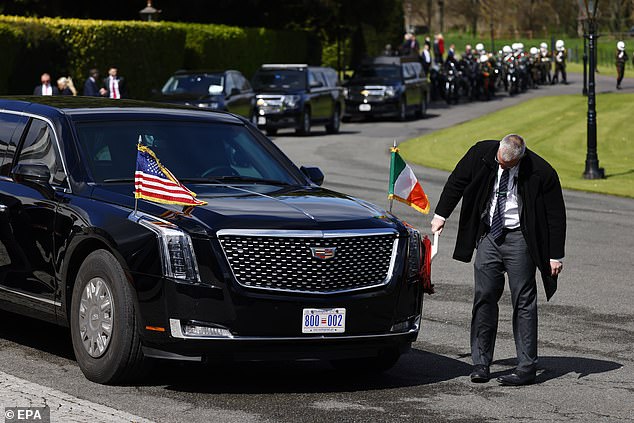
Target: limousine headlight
column 177, row 251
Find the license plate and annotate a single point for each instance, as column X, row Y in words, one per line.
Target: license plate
column 365, row 107
column 261, row 120
column 324, row 320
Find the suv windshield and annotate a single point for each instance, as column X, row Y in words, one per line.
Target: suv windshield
column 381, row 72
column 194, row 151
column 279, row 80
column 201, row 84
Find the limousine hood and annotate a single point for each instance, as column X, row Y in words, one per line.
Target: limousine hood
column 262, row 207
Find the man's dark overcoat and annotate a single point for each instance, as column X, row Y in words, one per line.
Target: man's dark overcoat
column 542, row 209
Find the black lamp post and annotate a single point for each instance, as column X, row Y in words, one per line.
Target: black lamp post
column 593, row 171
column 584, row 91
column 149, row 13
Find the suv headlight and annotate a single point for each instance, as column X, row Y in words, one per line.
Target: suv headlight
column 346, row 92
column 391, row 91
column 177, row 250
column 291, row 101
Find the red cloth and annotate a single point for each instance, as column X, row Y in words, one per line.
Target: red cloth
column 425, row 265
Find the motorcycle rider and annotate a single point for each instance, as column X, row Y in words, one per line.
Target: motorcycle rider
column 621, row 59
column 545, row 63
column 534, row 66
column 560, row 63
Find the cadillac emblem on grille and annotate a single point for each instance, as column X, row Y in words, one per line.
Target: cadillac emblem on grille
column 323, row 253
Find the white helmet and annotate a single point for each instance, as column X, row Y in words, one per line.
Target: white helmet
column 515, row 46
column 507, row 49
column 484, row 58
column 520, row 46
column 559, row 45
column 534, row 50
column 543, row 45
column 479, row 47
column 620, row 45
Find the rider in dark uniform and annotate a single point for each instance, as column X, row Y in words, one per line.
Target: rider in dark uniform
column 621, row 58
column 560, row 62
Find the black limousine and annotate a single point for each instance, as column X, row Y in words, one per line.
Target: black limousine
column 272, row 267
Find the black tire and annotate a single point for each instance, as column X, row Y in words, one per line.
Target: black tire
column 381, row 363
column 402, row 109
column 333, row 126
column 122, row 358
column 422, row 108
column 304, row 128
column 271, row 132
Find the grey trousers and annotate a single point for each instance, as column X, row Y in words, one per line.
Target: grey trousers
column 491, row 262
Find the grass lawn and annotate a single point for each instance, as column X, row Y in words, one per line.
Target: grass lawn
column 555, row 128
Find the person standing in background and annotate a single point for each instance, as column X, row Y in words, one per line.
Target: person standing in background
column 65, row 86
column 90, row 86
column 45, row 88
column 114, row 86
column 621, row 59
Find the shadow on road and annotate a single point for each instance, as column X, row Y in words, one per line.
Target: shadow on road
column 553, row 367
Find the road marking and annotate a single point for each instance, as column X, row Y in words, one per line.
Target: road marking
column 17, row 392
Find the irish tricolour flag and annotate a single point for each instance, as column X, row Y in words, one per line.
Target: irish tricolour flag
column 404, row 186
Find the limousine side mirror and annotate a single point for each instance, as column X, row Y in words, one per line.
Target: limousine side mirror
column 35, row 173
column 36, row 176
column 314, row 174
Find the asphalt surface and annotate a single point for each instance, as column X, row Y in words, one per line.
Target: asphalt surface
column 586, row 370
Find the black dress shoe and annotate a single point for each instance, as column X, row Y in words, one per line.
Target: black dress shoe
column 517, row 379
column 480, row 373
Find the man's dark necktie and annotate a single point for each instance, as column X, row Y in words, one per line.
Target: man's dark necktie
column 497, row 222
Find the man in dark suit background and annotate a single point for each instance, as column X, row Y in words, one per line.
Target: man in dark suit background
column 90, row 86
column 45, row 88
column 513, row 212
column 114, row 86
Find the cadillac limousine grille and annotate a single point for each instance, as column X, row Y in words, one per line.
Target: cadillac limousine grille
column 311, row 262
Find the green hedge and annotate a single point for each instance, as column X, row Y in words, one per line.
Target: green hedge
column 245, row 49
column 146, row 53
column 10, row 45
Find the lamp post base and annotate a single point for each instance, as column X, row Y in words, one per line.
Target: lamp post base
column 594, row 173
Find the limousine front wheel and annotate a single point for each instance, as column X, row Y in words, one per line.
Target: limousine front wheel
column 103, row 322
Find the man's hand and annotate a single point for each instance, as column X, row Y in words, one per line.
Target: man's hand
column 437, row 225
column 555, row 267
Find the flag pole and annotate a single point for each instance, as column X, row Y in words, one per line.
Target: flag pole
column 136, row 199
column 390, row 176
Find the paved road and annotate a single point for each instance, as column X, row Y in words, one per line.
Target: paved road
column 586, row 331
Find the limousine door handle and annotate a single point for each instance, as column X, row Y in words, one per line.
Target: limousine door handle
column 3, row 208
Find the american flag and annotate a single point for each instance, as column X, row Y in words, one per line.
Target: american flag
column 154, row 182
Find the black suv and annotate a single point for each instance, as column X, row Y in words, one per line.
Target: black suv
column 272, row 267
column 297, row 96
column 225, row 90
column 387, row 86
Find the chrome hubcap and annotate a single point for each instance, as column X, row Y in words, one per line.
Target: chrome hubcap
column 96, row 311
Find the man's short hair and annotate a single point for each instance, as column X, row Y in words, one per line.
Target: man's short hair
column 512, row 147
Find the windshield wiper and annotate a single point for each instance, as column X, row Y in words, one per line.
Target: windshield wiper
column 117, row 180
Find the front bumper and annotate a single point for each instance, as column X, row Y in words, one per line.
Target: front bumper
column 388, row 107
column 282, row 119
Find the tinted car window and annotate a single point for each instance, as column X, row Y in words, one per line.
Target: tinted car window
column 189, row 150
column 202, row 84
column 279, row 79
column 11, row 127
column 39, row 148
column 388, row 72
